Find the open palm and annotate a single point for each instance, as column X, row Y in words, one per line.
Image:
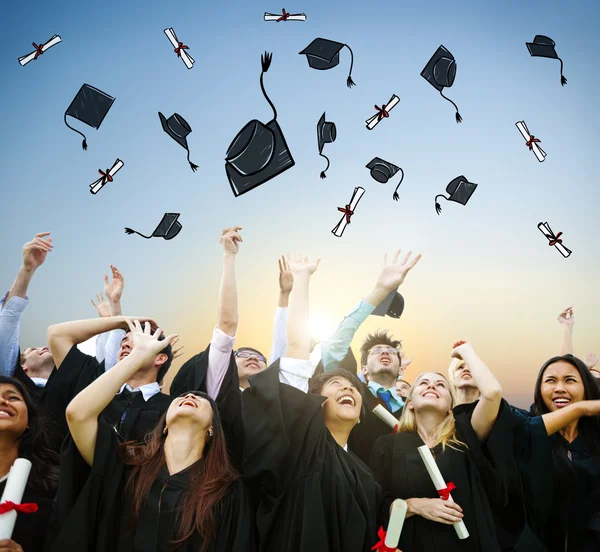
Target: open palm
column 393, row 273
column 299, row 265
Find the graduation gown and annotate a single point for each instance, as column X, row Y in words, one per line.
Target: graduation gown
column 402, row 474
column 94, row 510
column 315, row 496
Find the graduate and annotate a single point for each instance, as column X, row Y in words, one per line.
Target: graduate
column 176, row 492
column 315, row 495
column 24, row 434
column 455, row 442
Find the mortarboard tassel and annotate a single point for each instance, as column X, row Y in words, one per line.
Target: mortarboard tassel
column 438, row 207
column 84, row 143
column 265, row 61
column 349, row 82
column 130, row 231
column 323, row 172
column 396, row 196
column 563, row 80
column 458, row 117
column 194, row 167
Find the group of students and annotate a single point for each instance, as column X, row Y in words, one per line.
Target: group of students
column 285, row 455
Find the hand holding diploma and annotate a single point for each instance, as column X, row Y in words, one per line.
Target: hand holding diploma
column 10, row 503
column 107, row 176
column 180, row 48
column 39, row 50
column 531, row 141
column 389, row 539
column 382, row 112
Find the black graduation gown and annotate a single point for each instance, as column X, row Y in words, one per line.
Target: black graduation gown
column 93, row 508
column 402, row 474
column 30, row 529
column 315, row 495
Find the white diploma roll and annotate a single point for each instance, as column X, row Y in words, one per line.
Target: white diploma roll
column 279, row 16
column 341, row 226
column 95, row 187
column 13, row 492
column 440, row 484
column 537, row 151
column 187, row 59
column 24, row 60
column 373, row 121
column 392, row 536
column 545, row 229
column 385, row 415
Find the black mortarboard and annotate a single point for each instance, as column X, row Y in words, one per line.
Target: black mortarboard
column 543, row 46
column 460, row 190
column 326, row 134
column 259, row 152
column 392, row 305
column 167, row 228
column 324, row 54
column 382, row 171
column 440, row 72
column 178, row 129
column 90, row 106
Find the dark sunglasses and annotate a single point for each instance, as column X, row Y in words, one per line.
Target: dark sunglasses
column 248, row 354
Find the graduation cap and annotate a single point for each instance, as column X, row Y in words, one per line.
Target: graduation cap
column 382, row 171
column 324, row 54
column 167, row 228
column 392, row 305
column 440, row 72
column 90, row 106
column 460, row 190
column 543, row 46
column 326, row 134
column 259, row 152
column 178, row 129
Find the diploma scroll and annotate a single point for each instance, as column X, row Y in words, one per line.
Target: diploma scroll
column 392, row 537
column 39, row 50
column 13, row 493
column 440, row 485
column 531, row 141
column 348, row 211
column 107, row 176
column 180, row 48
column 386, row 416
column 373, row 121
column 554, row 239
column 284, row 16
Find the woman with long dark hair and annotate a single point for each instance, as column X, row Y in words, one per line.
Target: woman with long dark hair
column 177, row 491
column 24, row 434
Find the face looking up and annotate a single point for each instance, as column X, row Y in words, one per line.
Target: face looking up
column 430, row 392
column 561, row 385
column 249, row 362
column 344, row 401
column 462, row 376
column 384, row 361
column 14, row 416
column 37, row 362
column 402, row 388
column 192, row 409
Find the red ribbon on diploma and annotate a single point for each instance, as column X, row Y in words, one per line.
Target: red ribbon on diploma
column 105, row 176
column 395, row 430
column 382, row 112
column 38, row 50
column 557, row 239
column 445, row 493
column 180, row 46
column 27, row 508
column 531, row 141
column 284, row 17
column 381, row 546
column 347, row 211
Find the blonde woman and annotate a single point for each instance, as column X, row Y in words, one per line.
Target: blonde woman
column 455, row 442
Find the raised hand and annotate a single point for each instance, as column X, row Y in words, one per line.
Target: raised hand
column 591, row 359
column 145, row 341
column 35, row 251
column 404, row 361
column 102, row 306
column 128, row 320
column 566, row 317
column 300, row 266
column 286, row 278
column 393, row 273
column 114, row 290
column 230, row 240
column 461, row 349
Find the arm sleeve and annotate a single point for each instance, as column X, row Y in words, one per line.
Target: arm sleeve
column 101, row 346
column 335, row 349
column 113, row 346
column 296, row 372
column 10, row 322
column 279, row 334
column 219, row 356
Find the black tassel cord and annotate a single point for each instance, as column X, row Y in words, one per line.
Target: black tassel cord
column 396, row 196
column 130, row 231
column 349, row 82
column 563, row 79
column 84, row 143
column 458, row 117
column 438, row 207
column 192, row 165
column 265, row 61
column 323, row 175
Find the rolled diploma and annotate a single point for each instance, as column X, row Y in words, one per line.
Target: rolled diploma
column 24, row 60
column 15, row 487
column 97, row 186
column 439, row 483
column 392, row 536
column 385, row 415
column 373, row 121
column 187, row 59
column 341, row 226
column 292, row 17
column 545, row 229
column 538, row 152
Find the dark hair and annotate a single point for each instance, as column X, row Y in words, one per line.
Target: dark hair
column 162, row 371
column 317, row 384
column 35, row 443
column 588, row 426
column 209, row 480
column 380, row 337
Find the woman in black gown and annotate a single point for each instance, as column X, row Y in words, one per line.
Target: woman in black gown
column 455, row 443
column 178, row 491
column 24, row 434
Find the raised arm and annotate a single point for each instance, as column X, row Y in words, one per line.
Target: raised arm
column 83, row 411
column 486, row 411
column 559, row 419
column 567, row 321
column 113, row 291
column 286, row 283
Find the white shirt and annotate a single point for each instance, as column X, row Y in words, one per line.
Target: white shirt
column 148, row 390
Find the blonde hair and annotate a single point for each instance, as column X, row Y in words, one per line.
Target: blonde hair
column 446, row 431
column 455, row 364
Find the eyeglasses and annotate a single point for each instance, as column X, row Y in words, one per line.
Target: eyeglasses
column 383, row 349
column 248, row 354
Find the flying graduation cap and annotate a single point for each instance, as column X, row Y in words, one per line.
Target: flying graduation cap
column 392, row 305
column 178, row 129
column 460, row 191
column 543, row 46
column 440, row 72
column 89, row 106
column 326, row 134
column 382, row 171
column 324, row 54
column 167, row 228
